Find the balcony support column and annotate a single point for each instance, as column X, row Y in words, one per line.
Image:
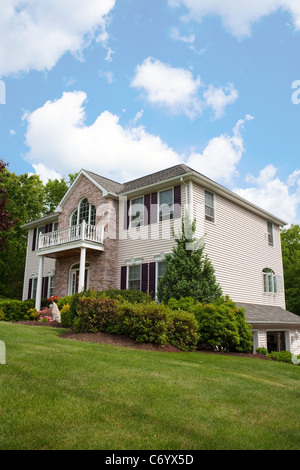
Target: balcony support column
column 38, row 296
column 82, row 269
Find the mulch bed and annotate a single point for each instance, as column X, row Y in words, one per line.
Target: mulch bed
column 125, row 341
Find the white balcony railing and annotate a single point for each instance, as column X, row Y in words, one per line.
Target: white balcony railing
column 75, row 233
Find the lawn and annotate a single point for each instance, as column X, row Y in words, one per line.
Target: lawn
column 61, row 394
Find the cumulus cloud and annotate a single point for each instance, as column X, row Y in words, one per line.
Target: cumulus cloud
column 221, row 156
column 178, row 91
column 59, row 139
column 168, row 87
column 238, row 16
column 35, row 34
column 219, row 98
column 278, row 197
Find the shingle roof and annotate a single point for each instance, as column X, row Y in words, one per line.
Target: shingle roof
column 109, row 185
column 162, row 175
column 153, row 178
column 268, row 314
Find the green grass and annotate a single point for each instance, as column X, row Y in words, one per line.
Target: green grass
column 62, row 394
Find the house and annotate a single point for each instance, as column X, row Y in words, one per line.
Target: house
column 105, row 235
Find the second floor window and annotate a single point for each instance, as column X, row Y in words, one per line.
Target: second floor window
column 85, row 212
column 209, row 206
column 166, row 205
column 270, row 233
column 137, row 212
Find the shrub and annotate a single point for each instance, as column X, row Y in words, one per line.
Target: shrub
column 146, row 323
column 65, row 316
column 2, row 316
column 221, row 325
column 95, row 314
column 15, row 310
column 132, row 296
column 282, row 356
column 183, row 330
column 32, row 314
column 261, row 350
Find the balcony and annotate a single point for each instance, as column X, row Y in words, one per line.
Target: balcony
column 68, row 241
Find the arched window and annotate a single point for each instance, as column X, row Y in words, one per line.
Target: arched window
column 85, row 211
column 74, row 218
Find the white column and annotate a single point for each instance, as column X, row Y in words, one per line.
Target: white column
column 82, row 269
column 38, row 296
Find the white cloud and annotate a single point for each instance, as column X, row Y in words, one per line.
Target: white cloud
column 168, row 87
column 174, row 34
column 238, row 16
column 176, row 89
column 45, row 173
column 281, row 198
column 35, row 34
column 59, row 139
column 220, row 158
column 219, row 98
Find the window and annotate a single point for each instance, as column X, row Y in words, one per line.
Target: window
column 134, row 277
column 34, row 287
column 166, row 205
column 51, row 286
column 161, row 269
column 270, row 281
column 137, row 212
column 270, row 233
column 86, row 212
column 209, row 206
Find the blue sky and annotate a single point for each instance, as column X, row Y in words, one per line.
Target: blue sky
column 128, row 87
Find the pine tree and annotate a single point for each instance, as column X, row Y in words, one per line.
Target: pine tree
column 189, row 271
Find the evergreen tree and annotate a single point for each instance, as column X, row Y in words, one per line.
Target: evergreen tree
column 189, row 271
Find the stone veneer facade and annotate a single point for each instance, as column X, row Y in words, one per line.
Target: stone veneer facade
column 103, row 265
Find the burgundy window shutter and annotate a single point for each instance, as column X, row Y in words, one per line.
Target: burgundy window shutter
column 147, row 209
column 29, row 289
column 177, row 202
column 34, row 239
column 153, row 208
column 123, row 277
column 152, row 268
column 144, row 277
column 126, row 214
column 45, row 287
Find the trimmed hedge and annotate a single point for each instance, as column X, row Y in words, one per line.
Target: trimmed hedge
column 144, row 322
column 16, row 310
column 221, row 325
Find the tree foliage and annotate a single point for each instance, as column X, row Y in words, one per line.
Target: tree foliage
column 23, row 198
column 6, row 220
column 189, row 271
column 290, row 241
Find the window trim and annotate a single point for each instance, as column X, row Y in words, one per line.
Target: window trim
column 142, row 215
column 159, row 204
column 134, row 265
column 206, row 216
column 270, row 235
column 78, row 212
column 270, row 275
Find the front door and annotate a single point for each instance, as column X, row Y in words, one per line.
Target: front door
column 276, row 341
